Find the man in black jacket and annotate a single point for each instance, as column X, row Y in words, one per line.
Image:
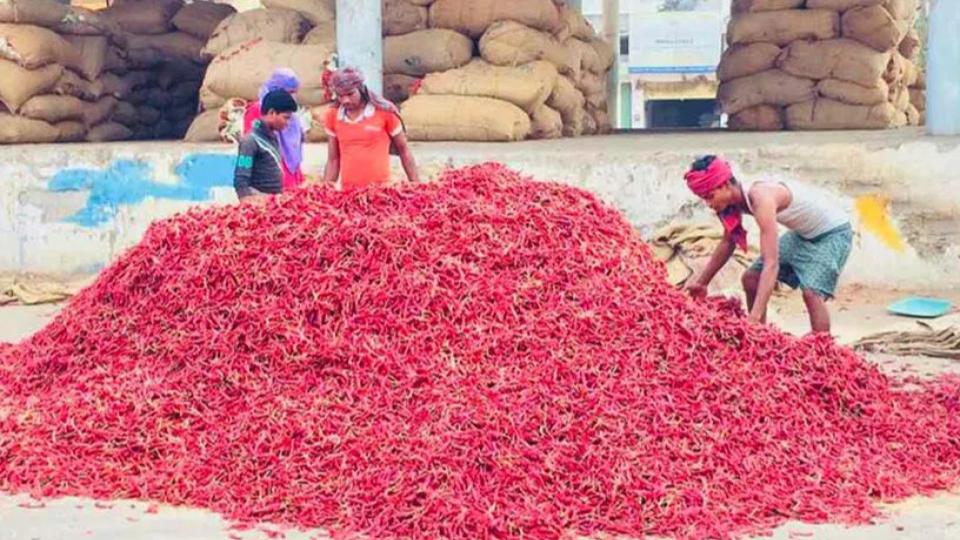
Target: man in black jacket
column 259, row 171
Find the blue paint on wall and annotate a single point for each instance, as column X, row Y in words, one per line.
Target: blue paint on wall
column 128, row 182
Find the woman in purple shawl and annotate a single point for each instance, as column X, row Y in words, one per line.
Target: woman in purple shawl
column 290, row 139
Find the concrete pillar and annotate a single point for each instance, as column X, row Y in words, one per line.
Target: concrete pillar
column 943, row 69
column 359, row 38
column 611, row 33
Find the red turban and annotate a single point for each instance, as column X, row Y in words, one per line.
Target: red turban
column 703, row 183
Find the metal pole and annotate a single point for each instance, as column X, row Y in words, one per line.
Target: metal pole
column 943, row 69
column 360, row 38
column 611, row 33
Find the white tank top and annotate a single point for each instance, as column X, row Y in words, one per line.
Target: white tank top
column 812, row 211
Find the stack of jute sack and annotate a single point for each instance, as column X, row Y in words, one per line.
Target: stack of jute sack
column 130, row 71
column 52, row 57
column 821, row 64
column 495, row 70
column 155, row 77
column 247, row 47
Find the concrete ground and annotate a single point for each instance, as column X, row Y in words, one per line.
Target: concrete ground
column 857, row 312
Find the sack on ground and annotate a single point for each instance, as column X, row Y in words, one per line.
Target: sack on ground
column 90, row 55
column 324, row 33
column 19, row 130
column 32, row 47
column 53, row 108
column 460, row 118
column 70, row 131
column 18, row 84
column 398, row 87
column 144, row 16
column 546, row 123
column 783, row 27
column 772, row 87
column 474, row 17
column 757, row 118
column 566, row 98
column 204, row 128
column 71, row 84
column 744, row 6
column 508, row 43
column 241, row 70
column 874, row 27
column 125, row 113
column 426, row 51
column 200, row 18
column 171, row 46
column 109, row 132
column 99, row 111
column 830, row 114
column 527, row 86
column 742, row 60
column 276, row 25
column 853, row 93
column 401, row 17
column 843, row 59
column 315, row 11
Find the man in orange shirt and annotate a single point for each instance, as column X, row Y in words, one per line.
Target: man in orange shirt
column 361, row 130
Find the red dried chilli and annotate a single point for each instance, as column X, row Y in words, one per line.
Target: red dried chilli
column 482, row 357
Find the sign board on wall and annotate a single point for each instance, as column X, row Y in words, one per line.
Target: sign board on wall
column 675, row 42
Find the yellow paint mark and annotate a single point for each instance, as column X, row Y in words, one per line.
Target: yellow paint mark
column 874, row 213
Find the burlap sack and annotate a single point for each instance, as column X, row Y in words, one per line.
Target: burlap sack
column 90, row 55
column 461, row 118
column 602, row 118
column 829, row 114
column 125, row 113
column 109, row 132
column 772, row 87
column 474, row 17
column 918, row 98
column 902, row 10
column 52, row 108
column 589, row 59
column 56, row 16
column 138, row 97
column 900, row 97
column 424, row 3
column 144, row 16
column 757, row 118
column 148, row 115
column 842, row 5
column 744, row 6
column 324, row 33
column 853, row 93
column 180, row 128
column 843, row 59
column 159, row 99
column 210, row 100
column 591, row 84
column 575, row 25
column 426, row 51
column 921, row 79
column 897, row 69
column 527, row 86
column 205, row 128
column 70, row 131
column 20, row 130
column 573, row 122
column 18, row 84
column 99, row 111
column 275, row 25
column 508, row 43
column 911, row 45
column 914, row 116
column 148, row 58
column 401, row 17
column 742, row 60
column 317, row 133
column 596, row 99
column 121, row 87
column 783, row 27
column 180, row 112
column 170, row 46
column 32, row 46
column 546, row 123
column 397, row 87
column 315, row 11
column 116, row 61
column 589, row 124
column 177, row 71
column 200, row 19
column 605, row 53
column 71, row 84
column 873, row 26
column 242, row 70
column 566, row 98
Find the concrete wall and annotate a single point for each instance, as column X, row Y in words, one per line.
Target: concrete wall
column 74, row 208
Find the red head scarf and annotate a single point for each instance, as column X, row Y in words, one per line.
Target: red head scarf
column 348, row 79
column 703, row 183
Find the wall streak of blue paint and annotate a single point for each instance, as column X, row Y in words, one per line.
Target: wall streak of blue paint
column 128, row 182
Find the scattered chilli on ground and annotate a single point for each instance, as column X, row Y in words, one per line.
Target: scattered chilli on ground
column 483, row 357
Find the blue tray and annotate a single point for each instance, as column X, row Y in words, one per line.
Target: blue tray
column 921, row 308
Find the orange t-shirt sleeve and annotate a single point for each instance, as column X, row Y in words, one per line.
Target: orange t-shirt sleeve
column 330, row 122
column 393, row 125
